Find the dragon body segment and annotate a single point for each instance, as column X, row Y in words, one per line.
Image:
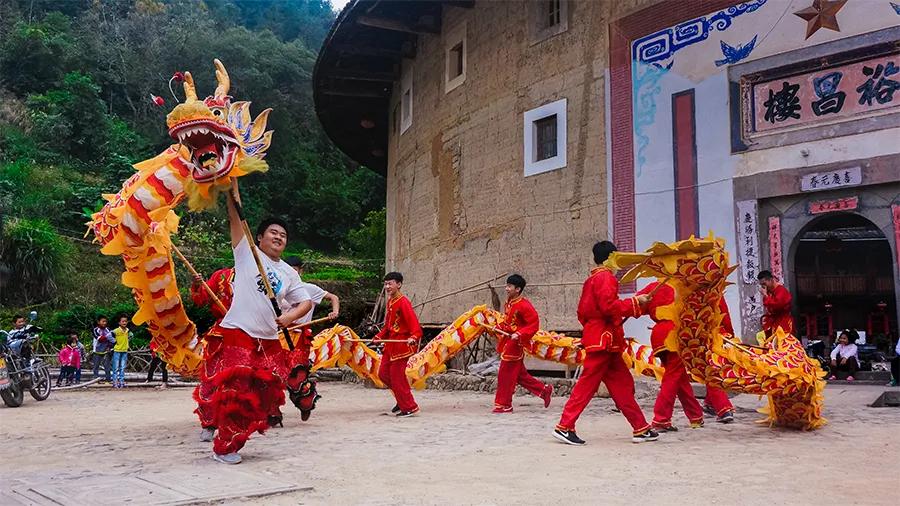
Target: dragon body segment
column 218, row 141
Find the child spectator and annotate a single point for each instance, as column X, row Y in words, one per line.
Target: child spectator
column 844, row 358
column 69, row 359
column 157, row 361
column 122, row 335
column 82, row 354
column 103, row 343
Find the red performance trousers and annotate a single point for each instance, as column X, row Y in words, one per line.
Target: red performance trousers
column 512, row 373
column 606, row 367
column 718, row 400
column 241, row 384
column 393, row 374
column 675, row 383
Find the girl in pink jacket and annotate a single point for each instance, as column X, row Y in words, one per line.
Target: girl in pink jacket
column 69, row 361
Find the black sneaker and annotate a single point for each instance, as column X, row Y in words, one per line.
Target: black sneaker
column 395, row 409
column 727, row 417
column 650, row 435
column 670, row 428
column 405, row 414
column 275, row 420
column 709, row 410
column 568, row 436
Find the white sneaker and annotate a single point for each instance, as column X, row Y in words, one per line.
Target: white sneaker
column 207, row 435
column 230, row 458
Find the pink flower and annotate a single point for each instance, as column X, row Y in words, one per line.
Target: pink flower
column 158, row 101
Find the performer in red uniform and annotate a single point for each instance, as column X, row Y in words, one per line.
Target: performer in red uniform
column 521, row 321
column 245, row 367
column 777, row 304
column 675, row 381
column 400, row 324
column 716, row 401
column 222, row 284
column 601, row 313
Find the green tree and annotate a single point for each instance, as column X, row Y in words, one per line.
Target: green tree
column 73, row 118
column 35, row 256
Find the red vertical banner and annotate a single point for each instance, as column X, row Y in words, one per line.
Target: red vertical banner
column 895, row 210
column 684, row 154
column 775, row 260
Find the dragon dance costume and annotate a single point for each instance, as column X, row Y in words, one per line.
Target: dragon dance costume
column 521, row 318
column 601, row 313
column 675, row 381
column 400, row 324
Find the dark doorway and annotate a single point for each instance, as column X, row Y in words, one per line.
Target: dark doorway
column 844, row 279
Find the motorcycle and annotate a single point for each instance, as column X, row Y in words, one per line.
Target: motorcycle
column 20, row 370
column 815, row 349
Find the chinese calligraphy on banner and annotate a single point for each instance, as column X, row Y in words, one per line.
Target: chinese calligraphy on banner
column 895, row 211
column 827, row 206
column 832, row 179
column 775, row 247
column 855, row 89
column 748, row 238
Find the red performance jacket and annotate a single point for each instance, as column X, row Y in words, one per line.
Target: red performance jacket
column 664, row 296
column 520, row 316
column 601, row 312
column 778, row 310
column 401, row 323
column 222, row 284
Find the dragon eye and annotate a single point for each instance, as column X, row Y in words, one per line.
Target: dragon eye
column 217, row 112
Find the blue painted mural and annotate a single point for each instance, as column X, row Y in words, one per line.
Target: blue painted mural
column 652, row 56
column 735, row 54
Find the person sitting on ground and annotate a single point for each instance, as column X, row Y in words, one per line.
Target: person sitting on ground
column 844, row 358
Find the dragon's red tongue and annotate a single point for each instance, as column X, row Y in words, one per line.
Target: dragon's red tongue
column 207, row 155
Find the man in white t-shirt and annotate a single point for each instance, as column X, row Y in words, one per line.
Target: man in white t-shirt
column 305, row 395
column 245, row 363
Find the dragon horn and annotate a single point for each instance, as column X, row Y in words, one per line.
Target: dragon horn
column 222, row 78
column 189, row 92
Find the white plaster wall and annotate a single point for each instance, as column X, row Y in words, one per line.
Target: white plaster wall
column 777, row 31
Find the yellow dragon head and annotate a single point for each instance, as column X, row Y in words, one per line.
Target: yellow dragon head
column 217, row 139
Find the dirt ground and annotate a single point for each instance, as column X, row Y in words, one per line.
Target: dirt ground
column 457, row 452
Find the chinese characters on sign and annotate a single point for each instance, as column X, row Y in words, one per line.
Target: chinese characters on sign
column 775, row 246
column 827, row 206
column 748, row 239
column 832, row 179
column 895, row 211
column 823, row 95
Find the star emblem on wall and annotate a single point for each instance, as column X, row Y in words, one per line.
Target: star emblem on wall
column 821, row 14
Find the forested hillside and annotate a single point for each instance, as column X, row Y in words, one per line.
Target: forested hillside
column 76, row 84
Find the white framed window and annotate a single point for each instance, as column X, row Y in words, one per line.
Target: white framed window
column 406, row 98
column 545, row 138
column 455, row 47
column 548, row 18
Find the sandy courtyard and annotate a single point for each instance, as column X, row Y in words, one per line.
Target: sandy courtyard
column 88, row 446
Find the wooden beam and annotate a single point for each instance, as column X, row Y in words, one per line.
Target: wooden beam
column 462, row 4
column 427, row 24
column 362, row 75
column 357, row 93
column 356, row 49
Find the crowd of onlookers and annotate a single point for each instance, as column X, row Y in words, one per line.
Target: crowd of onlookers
column 109, row 350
